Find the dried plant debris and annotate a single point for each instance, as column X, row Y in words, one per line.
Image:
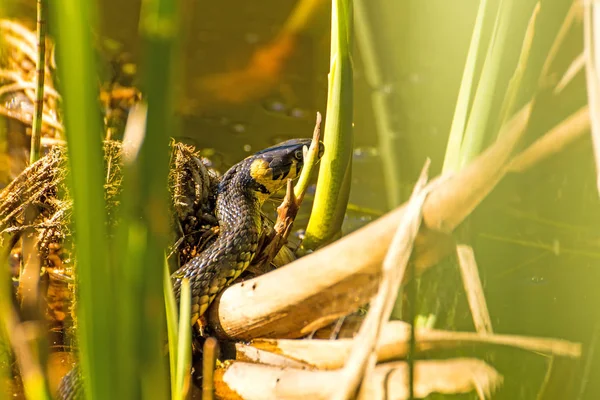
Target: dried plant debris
column 17, row 78
column 42, row 188
column 37, row 203
column 193, row 187
column 18, row 59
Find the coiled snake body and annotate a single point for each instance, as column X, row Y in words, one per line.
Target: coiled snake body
column 240, row 196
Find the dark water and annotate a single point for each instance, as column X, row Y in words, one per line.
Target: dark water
column 536, row 237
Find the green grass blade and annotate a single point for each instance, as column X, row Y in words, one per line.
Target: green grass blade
column 172, row 327
column 184, row 343
column 159, row 26
column 477, row 124
column 457, row 129
column 128, row 283
column 514, row 85
column 73, row 20
column 334, row 173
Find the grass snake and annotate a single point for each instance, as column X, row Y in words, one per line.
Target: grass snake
column 240, row 196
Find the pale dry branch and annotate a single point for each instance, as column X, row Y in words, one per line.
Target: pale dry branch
column 252, row 354
column 577, row 65
column 449, row 205
column 363, row 356
column 474, row 289
column 566, row 132
column 239, row 380
column 313, row 291
column 209, row 358
column 392, row 345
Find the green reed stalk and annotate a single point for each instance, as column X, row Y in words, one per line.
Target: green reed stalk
column 452, row 158
column 184, row 344
column 128, row 280
column 159, row 26
column 172, row 328
column 514, row 84
column 381, row 100
column 38, row 109
column 96, row 303
column 477, row 124
column 333, row 186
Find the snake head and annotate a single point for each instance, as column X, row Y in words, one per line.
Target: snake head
column 272, row 167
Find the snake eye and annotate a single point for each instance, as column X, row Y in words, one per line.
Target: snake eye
column 298, row 154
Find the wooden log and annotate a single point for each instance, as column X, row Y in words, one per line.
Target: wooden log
column 311, row 292
column 240, row 380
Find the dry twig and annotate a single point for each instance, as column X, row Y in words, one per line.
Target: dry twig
column 209, row 358
column 239, row 380
column 474, row 289
column 392, row 345
column 363, row 356
column 555, row 140
column 576, row 66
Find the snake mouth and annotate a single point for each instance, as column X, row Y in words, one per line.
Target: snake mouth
column 282, row 171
